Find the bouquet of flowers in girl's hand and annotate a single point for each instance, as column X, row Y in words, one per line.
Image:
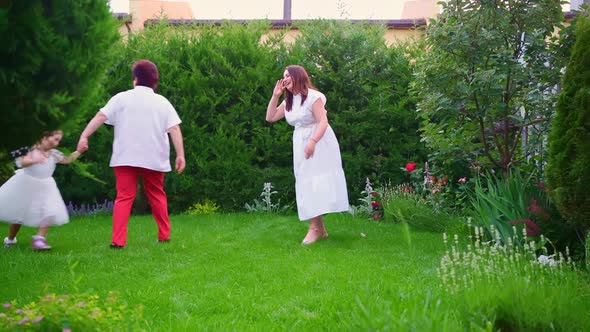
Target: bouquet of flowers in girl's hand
column 20, row 152
column 16, row 154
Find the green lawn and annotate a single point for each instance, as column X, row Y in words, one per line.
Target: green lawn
column 249, row 272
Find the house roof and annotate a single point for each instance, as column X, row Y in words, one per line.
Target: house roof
column 391, row 24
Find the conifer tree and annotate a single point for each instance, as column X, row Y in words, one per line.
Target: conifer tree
column 54, row 54
column 568, row 170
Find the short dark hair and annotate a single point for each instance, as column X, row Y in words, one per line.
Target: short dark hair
column 146, row 73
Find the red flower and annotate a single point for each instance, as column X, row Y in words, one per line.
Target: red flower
column 374, row 193
column 534, row 208
column 375, row 204
column 410, row 167
column 376, row 216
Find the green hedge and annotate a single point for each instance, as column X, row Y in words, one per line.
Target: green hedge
column 220, row 80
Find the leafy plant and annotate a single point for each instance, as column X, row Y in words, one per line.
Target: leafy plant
column 371, row 203
column 265, row 204
column 206, row 206
column 76, row 312
column 511, row 203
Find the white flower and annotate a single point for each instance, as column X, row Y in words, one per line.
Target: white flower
column 547, row 260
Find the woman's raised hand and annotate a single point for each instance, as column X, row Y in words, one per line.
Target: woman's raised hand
column 279, row 88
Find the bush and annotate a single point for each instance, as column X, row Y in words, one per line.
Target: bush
column 204, row 207
column 220, row 80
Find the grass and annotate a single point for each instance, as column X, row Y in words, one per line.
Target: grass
column 249, row 272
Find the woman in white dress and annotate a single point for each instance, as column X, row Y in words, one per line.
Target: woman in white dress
column 31, row 196
column 320, row 184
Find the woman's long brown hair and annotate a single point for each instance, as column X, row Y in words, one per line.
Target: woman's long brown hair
column 301, row 83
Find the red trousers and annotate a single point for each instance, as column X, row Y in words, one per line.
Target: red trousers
column 153, row 183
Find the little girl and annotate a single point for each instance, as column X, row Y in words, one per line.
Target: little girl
column 31, row 197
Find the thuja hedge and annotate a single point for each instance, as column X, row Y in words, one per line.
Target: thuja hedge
column 220, row 80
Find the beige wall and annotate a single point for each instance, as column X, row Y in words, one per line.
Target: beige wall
column 420, row 9
column 142, row 10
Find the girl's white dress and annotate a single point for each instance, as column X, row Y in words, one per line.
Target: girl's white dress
column 320, row 185
column 31, row 196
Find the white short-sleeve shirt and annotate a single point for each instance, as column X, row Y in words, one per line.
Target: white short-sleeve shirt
column 141, row 119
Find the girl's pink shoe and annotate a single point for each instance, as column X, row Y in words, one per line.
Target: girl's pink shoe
column 39, row 243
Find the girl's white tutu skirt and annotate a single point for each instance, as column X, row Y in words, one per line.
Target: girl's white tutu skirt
column 32, row 201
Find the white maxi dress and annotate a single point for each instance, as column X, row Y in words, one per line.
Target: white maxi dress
column 320, row 184
column 31, row 197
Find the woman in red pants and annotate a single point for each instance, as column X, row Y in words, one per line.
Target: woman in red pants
column 142, row 121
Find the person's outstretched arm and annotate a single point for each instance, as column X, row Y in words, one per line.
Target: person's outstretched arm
column 71, row 158
column 176, row 136
column 91, row 127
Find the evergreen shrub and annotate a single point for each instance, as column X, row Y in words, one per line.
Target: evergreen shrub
column 54, row 56
column 220, row 79
column 568, row 174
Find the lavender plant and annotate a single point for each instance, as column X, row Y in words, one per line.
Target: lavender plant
column 495, row 260
column 84, row 209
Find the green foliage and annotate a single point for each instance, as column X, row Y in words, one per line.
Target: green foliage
column 54, row 56
column 220, row 80
column 204, row 207
column 76, row 312
column 485, row 80
column 500, row 205
column 568, row 174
